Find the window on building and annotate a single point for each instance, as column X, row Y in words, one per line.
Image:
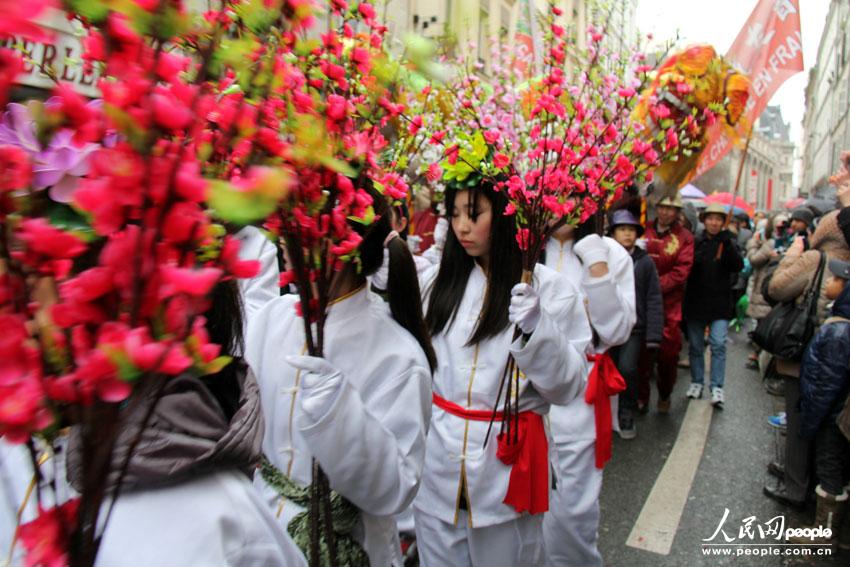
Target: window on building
column 504, row 19
column 483, row 30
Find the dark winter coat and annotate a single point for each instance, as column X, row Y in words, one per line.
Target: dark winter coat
column 717, row 261
column 825, row 372
column 650, row 303
column 190, row 432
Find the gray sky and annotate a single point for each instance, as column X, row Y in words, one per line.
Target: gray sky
column 718, row 22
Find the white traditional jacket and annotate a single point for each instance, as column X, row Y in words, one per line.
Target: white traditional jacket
column 216, row 520
column 262, row 288
column 371, row 442
column 611, row 309
column 15, row 477
column 17, row 483
column 554, row 366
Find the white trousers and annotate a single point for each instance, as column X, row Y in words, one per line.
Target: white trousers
column 510, row 544
column 570, row 528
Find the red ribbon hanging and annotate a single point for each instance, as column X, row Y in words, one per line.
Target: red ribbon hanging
column 604, row 381
column 528, row 486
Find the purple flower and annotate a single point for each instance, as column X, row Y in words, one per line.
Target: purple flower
column 59, row 165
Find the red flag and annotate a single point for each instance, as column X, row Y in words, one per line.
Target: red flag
column 769, row 49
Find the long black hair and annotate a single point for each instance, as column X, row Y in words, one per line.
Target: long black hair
column 225, row 326
column 402, row 292
column 505, row 270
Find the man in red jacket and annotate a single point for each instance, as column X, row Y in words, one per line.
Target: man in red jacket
column 671, row 247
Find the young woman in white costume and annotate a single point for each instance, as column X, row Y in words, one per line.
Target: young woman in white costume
column 603, row 271
column 473, row 298
column 362, row 410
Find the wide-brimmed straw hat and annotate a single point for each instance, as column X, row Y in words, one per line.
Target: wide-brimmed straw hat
column 713, row 209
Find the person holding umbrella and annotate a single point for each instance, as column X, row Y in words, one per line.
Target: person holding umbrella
column 709, row 300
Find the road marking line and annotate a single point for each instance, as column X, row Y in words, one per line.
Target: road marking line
column 659, row 519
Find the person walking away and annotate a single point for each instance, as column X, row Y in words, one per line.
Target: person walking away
column 709, row 301
column 360, row 411
column 671, row 247
column 649, row 326
column 824, row 385
column 793, row 276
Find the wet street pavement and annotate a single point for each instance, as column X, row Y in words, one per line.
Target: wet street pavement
column 674, row 515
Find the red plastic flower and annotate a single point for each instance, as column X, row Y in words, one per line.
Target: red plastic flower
column 11, row 66
column 15, row 168
column 197, row 283
column 415, row 125
column 367, row 11
column 672, row 140
column 47, row 538
column 22, row 410
column 44, row 239
column 19, row 19
column 501, row 161
column 434, row 173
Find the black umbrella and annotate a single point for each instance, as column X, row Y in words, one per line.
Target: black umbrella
column 820, row 206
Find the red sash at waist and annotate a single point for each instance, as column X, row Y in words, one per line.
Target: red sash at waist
column 604, row 381
column 528, row 457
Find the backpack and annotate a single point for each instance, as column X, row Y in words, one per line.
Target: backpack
column 788, row 328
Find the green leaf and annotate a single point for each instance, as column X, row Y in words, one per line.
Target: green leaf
column 127, row 371
column 255, row 15
column 95, row 11
column 67, row 218
column 216, row 365
column 479, row 147
column 304, row 47
column 365, row 221
column 239, row 207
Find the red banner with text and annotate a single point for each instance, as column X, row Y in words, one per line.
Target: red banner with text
column 769, row 49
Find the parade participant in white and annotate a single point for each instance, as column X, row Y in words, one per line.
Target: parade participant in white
column 462, row 517
column 187, row 498
column 362, row 410
column 604, row 272
column 265, row 286
column 423, row 262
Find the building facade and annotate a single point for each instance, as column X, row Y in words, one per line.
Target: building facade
column 481, row 22
column 826, row 126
